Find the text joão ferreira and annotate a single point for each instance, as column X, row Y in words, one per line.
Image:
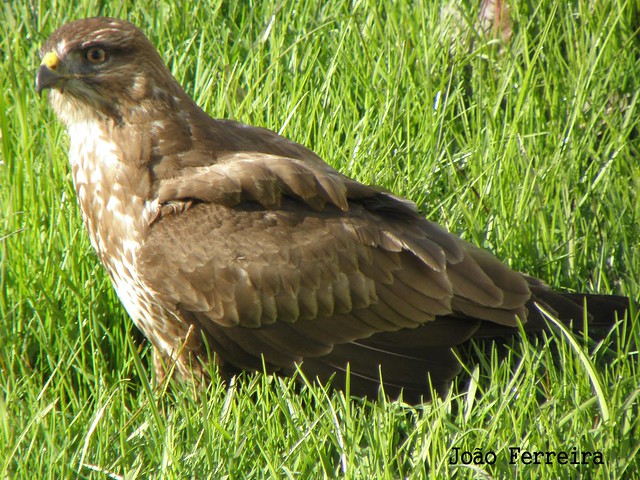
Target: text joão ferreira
column 518, row 455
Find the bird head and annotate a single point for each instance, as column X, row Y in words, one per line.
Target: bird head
column 102, row 67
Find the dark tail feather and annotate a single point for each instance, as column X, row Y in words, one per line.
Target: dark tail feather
column 603, row 312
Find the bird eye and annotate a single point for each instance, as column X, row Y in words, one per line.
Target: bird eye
column 96, row 55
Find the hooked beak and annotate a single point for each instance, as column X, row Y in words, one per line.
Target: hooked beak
column 47, row 76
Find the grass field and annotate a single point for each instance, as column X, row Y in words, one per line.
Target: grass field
column 530, row 149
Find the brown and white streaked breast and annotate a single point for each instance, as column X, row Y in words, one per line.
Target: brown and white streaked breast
column 116, row 218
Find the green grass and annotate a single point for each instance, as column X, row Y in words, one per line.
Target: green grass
column 529, row 149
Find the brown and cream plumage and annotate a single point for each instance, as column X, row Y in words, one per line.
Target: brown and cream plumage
column 221, row 237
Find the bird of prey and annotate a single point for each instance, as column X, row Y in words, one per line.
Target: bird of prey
column 230, row 243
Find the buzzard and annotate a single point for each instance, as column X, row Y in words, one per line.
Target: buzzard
column 230, row 243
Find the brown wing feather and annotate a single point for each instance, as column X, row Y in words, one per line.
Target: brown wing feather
column 263, row 178
column 285, row 260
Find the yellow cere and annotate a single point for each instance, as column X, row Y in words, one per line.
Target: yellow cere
column 51, row 60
